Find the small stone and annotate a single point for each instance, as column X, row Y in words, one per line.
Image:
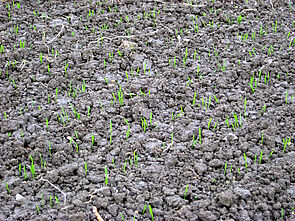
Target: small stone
column 226, row 198
column 77, row 217
column 230, row 137
column 244, row 193
column 206, row 216
column 19, row 197
column 200, row 168
column 101, row 203
column 215, row 163
column 112, row 209
column 78, row 203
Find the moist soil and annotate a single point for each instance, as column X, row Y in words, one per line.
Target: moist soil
column 147, row 110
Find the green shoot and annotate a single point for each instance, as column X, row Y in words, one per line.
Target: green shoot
column 32, row 167
column 124, row 169
column 49, row 149
column 144, row 208
column 106, row 176
column 260, row 158
column 41, row 57
column 270, row 153
column 85, row 169
column 42, row 201
column 110, row 132
column 50, row 200
column 209, row 123
column 92, row 141
column 56, row 200
column 128, row 131
column 200, row 136
column 246, row 165
column 286, row 141
column 194, row 101
column 225, row 168
column 151, row 212
column 7, row 188
column 185, row 191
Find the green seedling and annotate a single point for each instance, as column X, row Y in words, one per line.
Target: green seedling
column 120, row 96
column 40, row 57
column 122, row 216
column 128, row 131
column 226, row 121
column 246, row 165
column 144, row 209
column 38, row 210
column 209, row 123
column 286, row 141
column 66, row 67
column 85, row 169
column 185, row 192
column 124, row 169
column 143, row 124
column 262, row 138
column 56, row 200
column 92, row 141
column 225, row 168
column 50, row 200
column 151, row 115
column 43, row 163
column 113, row 161
column 7, row 188
column 15, row 29
column 20, row 169
column 270, row 153
column 42, row 201
column 135, row 158
column 56, row 91
column 263, row 109
column 1, row 49
column 49, row 149
column 260, row 158
column 151, row 212
column 25, row 175
column 106, row 176
column 287, row 97
column 194, row 141
column 32, row 167
column 200, row 134
column 215, row 126
column 110, row 132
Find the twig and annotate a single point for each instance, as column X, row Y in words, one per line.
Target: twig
column 62, row 28
column 249, row 9
column 272, row 6
column 169, row 145
column 130, row 36
column 22, row 65
column 65, row 196
column 94, row 210
column 43, row 39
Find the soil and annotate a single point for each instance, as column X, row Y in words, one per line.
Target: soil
column 147, row 110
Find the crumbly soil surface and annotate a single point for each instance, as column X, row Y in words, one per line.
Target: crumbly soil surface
column 142, row 110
